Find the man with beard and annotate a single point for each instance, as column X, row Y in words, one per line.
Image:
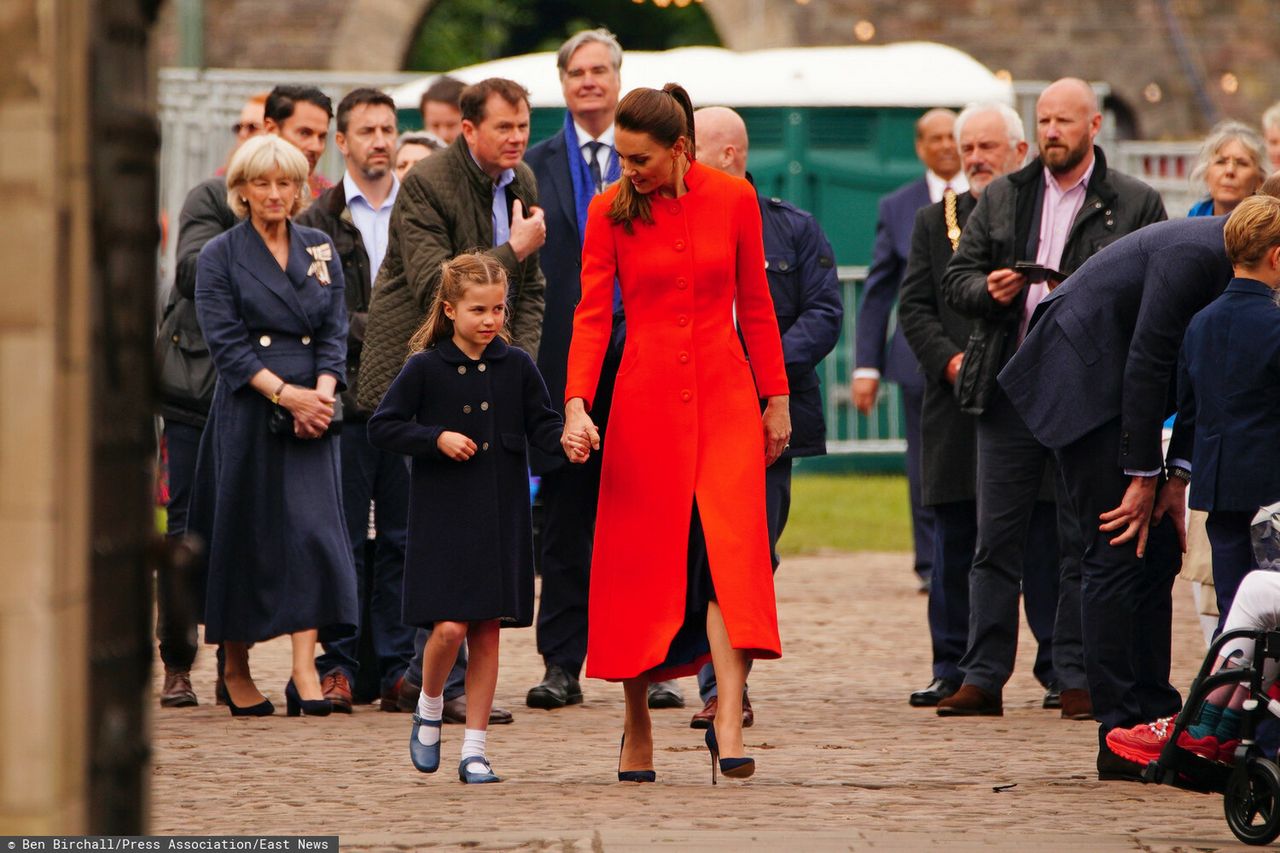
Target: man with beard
column 991, row 143
column 1050, row 216
column 356, row 213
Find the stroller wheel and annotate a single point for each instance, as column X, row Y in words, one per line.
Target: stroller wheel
column 1252, row 802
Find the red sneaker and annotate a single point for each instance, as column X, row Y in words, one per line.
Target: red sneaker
column 1142, row 743
column 1227, row 751
column 1205, row 747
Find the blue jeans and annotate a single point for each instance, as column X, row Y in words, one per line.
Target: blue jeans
column 369, row 474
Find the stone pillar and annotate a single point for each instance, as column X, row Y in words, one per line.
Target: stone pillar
column 44, row 405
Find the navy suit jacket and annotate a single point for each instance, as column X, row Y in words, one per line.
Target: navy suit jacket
column 897, row 216
column 1104, row 344
column 1229, row 392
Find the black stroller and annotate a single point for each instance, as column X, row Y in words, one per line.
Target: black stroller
column 1250, row 787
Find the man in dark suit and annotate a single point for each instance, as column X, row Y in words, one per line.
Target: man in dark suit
column 1094, row 382
column 571, row 167
column 874, row 359
column 992, row 143
column 1056, row 212
column 801, row 269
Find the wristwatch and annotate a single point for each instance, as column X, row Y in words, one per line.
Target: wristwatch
column 1177, row 472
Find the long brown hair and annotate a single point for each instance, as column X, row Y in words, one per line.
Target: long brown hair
column 456, row 275
column 665, row 114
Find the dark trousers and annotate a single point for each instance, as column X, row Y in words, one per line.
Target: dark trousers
column 569, row 498
column 372, row 475
column 955, row 533
column 1022, row 545
column 777, row 505
column 922, row 522
column 1233, row 558
column 176, row 615
column 1126, row 601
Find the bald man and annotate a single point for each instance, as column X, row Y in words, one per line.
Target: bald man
column 802, row 277
column 1054, row 213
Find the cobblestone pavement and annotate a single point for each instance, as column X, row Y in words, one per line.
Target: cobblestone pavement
column 843, row 762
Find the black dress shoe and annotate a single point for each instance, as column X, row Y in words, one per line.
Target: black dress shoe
column 1052, row 697
column 557, row 689
column 665, row 694
column 937, row 690
column 1113, row 768
column 455, row 711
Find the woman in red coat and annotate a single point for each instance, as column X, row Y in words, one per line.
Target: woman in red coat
column 687, row 447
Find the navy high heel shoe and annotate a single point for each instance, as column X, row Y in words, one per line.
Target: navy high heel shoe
column 296, row 705
column 633, row 775
column 733, row 768
column 262, row 709
column 425, row 758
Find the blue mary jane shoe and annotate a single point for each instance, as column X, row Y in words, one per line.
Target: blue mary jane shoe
column 476, row 778
column 425, row 758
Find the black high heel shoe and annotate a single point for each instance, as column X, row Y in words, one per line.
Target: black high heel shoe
column 633, row 775
column 311, row 707
column 262, row 709
column 733, row 768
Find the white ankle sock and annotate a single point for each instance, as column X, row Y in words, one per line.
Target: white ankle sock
column 430, row 708
column 473, row 747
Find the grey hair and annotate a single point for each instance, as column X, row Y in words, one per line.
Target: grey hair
column 420, row 137
column 1271, row 118
column 1230, row 131
column 1012, row 121
column 583, row 37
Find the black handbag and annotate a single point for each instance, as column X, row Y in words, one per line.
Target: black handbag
column 280, row 420
column 185, row 374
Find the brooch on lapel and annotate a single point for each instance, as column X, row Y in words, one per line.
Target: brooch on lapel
column 320, row 266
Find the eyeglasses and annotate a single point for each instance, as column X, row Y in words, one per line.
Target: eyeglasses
column 245, row 127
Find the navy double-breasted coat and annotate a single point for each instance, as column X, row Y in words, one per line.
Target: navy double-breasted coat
column 470, row 551
column 269, row 507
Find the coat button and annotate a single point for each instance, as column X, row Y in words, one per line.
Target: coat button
column 675, row 209
column 686, row 395
column 682, row 320
column 484, row 407
column 1111, row 222
column 481, row 367
column 265, row 341
column 682, row 283
column 679, row 245
column 783, row 266
column 1097, row 204
column 175, row 339
column 306, row 340
column 484, row 446
column 462, row 368
column 684, row 358
column 466, row 410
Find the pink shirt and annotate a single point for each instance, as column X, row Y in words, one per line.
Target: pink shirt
column 1057, row 215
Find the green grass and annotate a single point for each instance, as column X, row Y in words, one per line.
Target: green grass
column 847, row 512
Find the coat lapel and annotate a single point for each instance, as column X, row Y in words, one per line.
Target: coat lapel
column 258, row 261
column 561, row 183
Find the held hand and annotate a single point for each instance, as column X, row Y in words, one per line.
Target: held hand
column 1171, row 502
column 528, row 233
column 777, row 428
column 312, row 410
column 1133, row 514
column 865, row 391
column 1005, row 284
column 456, row 446
column 577, row 446
column 953, row 367
column 579, row 430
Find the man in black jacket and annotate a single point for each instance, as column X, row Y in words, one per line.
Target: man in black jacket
column 356, row 213
column 1054, row 213
column 991, row 143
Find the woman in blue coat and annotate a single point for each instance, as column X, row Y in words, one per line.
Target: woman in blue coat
column 1229, row 393
column 268, row 494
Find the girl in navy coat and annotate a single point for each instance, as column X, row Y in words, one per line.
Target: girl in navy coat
column 1229, row 393
column 463, row 407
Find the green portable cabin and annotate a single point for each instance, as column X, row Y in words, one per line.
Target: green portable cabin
column 831, row 130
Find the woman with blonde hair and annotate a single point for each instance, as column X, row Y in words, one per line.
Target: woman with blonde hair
column 267, row 500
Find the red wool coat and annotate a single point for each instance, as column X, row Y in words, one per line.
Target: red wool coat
column 685, row 420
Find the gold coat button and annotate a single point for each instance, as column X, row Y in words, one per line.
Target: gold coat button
column 481, row 368
column 462, row 368
column 466, row 410
column 264, row 341
column 484, row 407
column 306, row 340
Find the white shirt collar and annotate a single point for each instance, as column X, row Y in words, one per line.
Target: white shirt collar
column 351, row 191
column 584, row 137
column 937, row 184
column 504, row 178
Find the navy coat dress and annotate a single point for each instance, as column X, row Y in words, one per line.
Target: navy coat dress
column 470, row 552
column 269, row 507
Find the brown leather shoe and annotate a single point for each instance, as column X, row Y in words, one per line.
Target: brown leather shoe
column 969, row 701
column 748, row 715
column 1076, row 705
column 455, row 711
column 391, row 697
column 702, row 719
column 407, row 701
column 337, row 689
column 177, row 691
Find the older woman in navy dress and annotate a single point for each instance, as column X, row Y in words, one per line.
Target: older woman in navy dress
column 269, row 299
